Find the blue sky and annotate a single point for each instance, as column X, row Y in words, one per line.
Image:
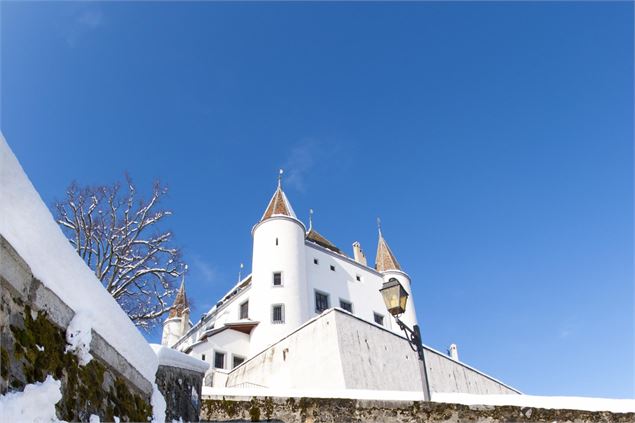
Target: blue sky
column 495, row 140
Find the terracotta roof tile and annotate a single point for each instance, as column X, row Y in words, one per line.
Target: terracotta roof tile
column 278, row 205
column 385, row 259
column 180, row 303
column 314, row 236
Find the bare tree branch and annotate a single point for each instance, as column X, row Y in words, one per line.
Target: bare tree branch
column 119, row 236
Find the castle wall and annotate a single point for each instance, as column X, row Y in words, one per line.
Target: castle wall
column 339, row 351
column 342, row 283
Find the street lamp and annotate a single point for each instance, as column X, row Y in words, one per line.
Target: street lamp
column 395, row 298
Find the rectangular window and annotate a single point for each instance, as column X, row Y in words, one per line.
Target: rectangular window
column 203, row 357
column 277, row 279
column 321, row 302
column 358, row 278
column 346, row 305
column 238, row 361
column 379, row 319
column 315, row 261
column 244, row 310
column 333, row 268
column 219, row 360
column 277, row 313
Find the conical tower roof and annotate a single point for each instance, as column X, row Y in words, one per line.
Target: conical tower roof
column 180, row 302
column 385, row 259
column 279, row 204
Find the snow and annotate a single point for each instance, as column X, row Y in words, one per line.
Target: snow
column 78, row 337
column 174, row 358
column 158, row 405
column 29, row 227
column 535, row 401
column 565, row 403
column 35, row 404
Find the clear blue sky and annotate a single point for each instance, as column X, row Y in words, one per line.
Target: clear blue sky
column 495, row 141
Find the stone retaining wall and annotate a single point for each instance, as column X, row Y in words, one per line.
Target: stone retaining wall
column 181, row 389
column 318, row 410
column 33, row 323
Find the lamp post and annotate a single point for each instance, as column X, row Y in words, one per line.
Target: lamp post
column 395, row 298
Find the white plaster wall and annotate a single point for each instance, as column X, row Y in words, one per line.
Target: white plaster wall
column 372, row 358
column 342, row 283
column 307, row 359
column 171, row 331
column 288, row 257
column 229, row 341
column 447, row 375
column 226, row 313
column 339, row 351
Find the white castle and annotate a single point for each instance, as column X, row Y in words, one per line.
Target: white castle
column 298, row 279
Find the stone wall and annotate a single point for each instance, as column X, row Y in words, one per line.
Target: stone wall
column 317, row 410
column 181, row 389
column 33, row 323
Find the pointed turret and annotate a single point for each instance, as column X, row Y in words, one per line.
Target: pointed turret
column 385, row 259
column 278, row 260
column 178, row 321
column 180, row 303
column 279, row 204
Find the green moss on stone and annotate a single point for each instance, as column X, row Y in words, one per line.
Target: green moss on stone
column 40, row 347
column 268, row 406
column 254, row 410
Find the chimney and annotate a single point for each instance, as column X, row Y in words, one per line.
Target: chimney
column 453, row 352
column 358, row 254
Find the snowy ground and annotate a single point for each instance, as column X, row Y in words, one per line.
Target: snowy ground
column 571, row 403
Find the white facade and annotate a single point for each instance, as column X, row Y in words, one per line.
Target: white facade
column 297, row 275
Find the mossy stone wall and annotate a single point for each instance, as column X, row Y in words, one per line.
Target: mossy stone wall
column 329, row 410
column 33, row 344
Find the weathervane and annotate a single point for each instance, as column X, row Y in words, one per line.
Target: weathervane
column 310, row 219
column 240, row 272
column 280, row 172
column 379, row 226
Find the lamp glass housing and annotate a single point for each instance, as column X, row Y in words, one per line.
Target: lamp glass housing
column 395, row 296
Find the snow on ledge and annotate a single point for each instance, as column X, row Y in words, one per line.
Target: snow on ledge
column 27, row 224
column 535, row 401
column 563, row 403
column 171, row 357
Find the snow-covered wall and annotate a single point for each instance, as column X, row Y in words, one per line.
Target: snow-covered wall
column 337, row 350
column 28, row 226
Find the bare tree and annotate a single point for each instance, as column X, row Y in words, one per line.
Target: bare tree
column 119, row 236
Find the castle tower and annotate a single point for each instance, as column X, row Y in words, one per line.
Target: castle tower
column 279, row 283
column 178, row 321
column 388, row 266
